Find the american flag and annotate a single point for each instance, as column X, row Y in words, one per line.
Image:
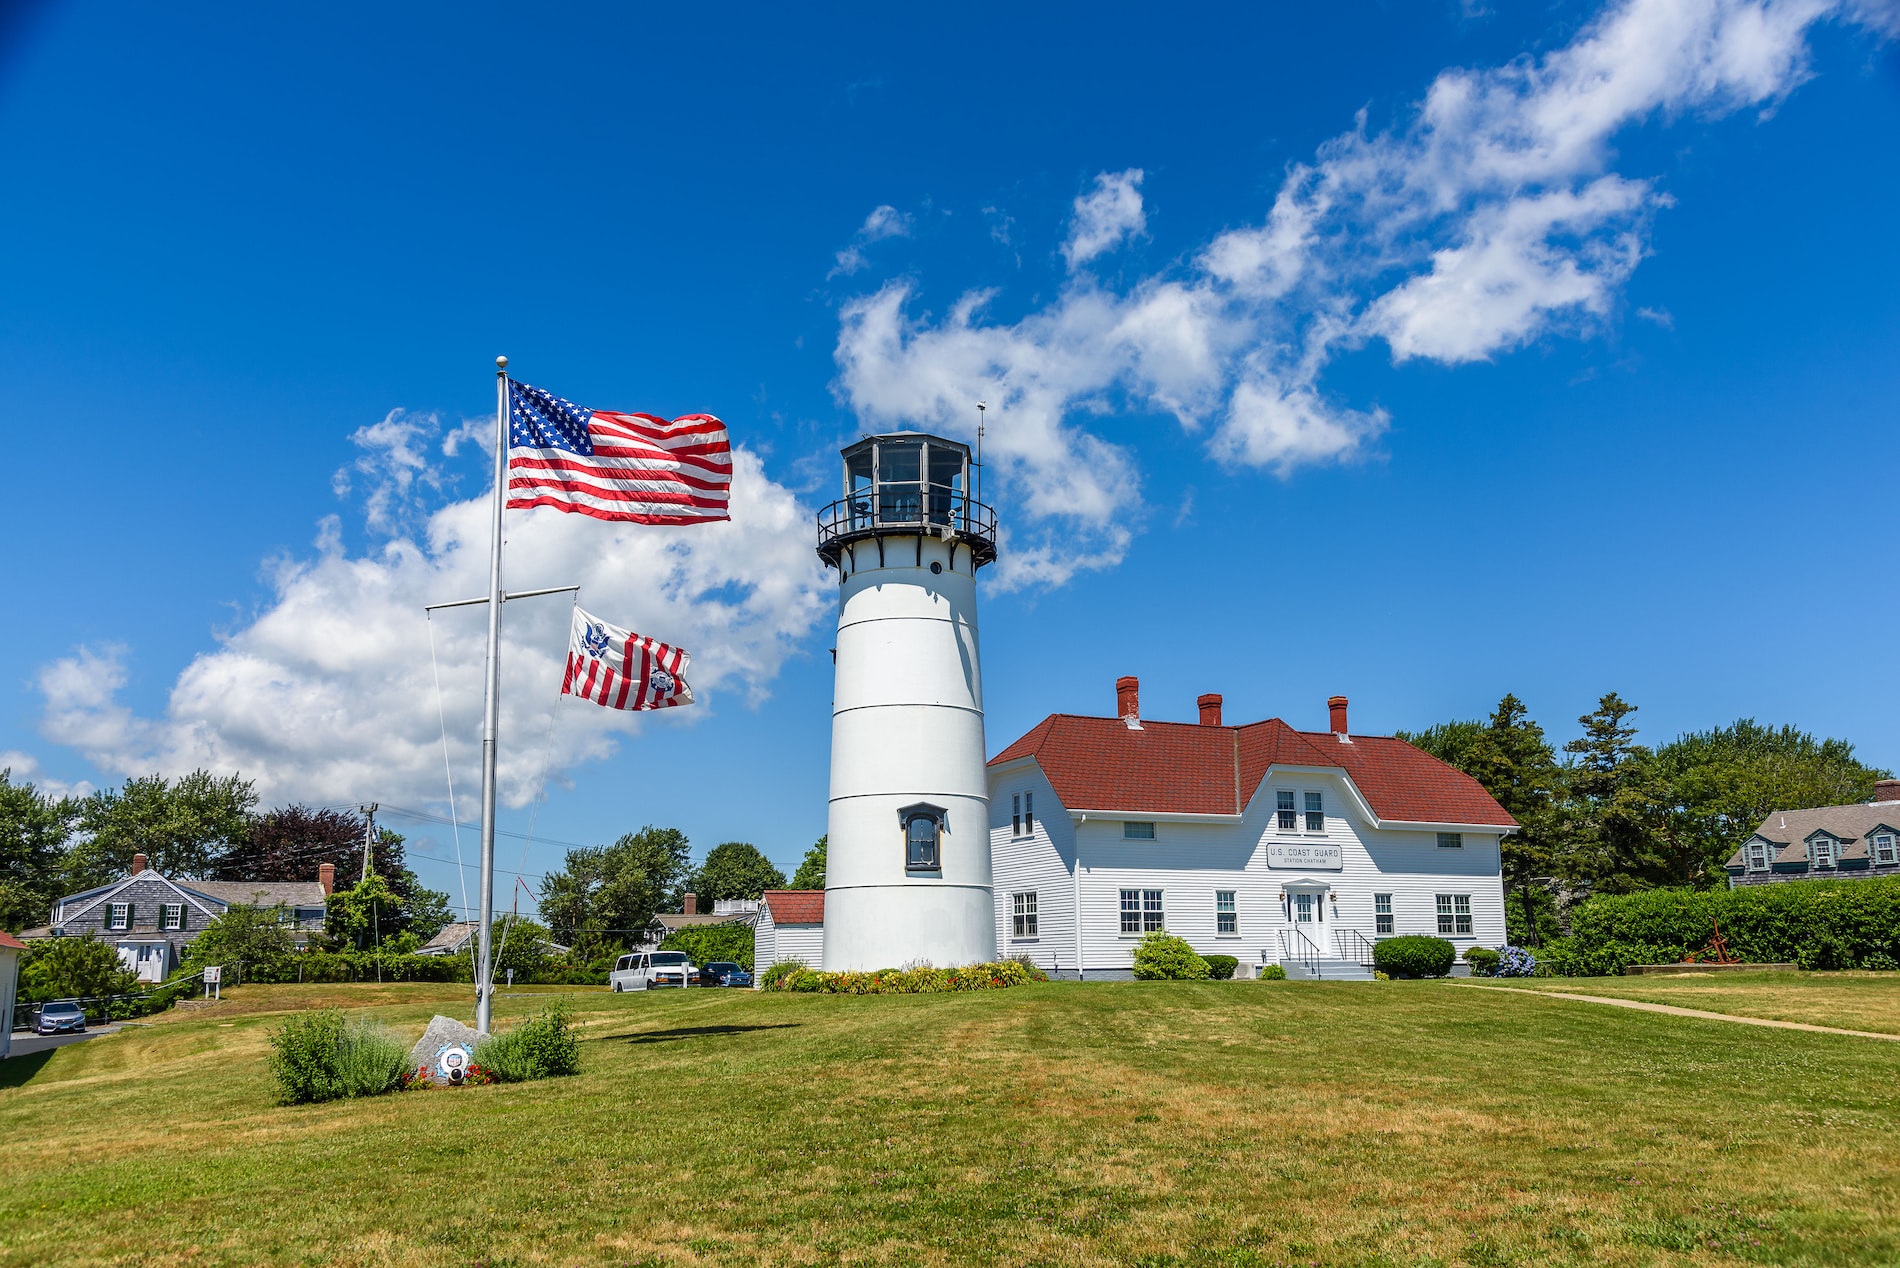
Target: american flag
column 615, row 466
column 623, row 670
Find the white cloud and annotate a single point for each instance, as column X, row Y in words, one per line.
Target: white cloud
column 327, row 695
column 1486, row 218
column 1106, row 217
column 884, row 222
column 24, row 768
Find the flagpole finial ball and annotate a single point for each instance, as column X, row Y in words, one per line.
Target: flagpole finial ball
column 501, row 363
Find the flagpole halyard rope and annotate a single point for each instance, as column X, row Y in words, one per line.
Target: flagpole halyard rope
column 448, row 771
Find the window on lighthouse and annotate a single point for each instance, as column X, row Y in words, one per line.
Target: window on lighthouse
column 920, row 841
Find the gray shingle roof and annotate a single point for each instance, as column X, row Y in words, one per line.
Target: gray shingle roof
column 1789, row 830
column 259, row 893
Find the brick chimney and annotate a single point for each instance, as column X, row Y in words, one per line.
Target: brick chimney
column 1210, row 708
column 1336, row 705
column 1887, row 790
column 138, row 864
column 326, row 877
column 1128, row 698
column 691, row 906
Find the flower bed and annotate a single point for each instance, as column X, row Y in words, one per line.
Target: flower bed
column 918, row 981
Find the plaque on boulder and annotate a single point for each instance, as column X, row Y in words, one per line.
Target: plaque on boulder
column 446, row 1049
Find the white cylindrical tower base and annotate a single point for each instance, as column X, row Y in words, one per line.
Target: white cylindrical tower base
column 907, row 730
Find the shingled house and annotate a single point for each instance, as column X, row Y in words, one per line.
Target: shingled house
column 1858, row 842
column 151, row 919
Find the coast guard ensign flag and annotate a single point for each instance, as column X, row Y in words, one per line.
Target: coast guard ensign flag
column 623, row 670
column 636, row 467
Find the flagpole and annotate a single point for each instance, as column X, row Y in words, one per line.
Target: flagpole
column 491, row 711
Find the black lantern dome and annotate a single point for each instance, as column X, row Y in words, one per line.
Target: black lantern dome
column 910, row 485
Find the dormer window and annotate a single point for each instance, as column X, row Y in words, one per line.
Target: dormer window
column 1757, row 856
column 923, row 826
column 1886, row 849
column 1822, row 852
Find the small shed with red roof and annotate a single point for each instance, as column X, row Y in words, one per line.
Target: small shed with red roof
column 1271, row 844
column 791, row 926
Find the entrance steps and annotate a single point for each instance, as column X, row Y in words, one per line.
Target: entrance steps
column 1326, row 970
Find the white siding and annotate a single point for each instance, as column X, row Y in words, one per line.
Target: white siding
column 1040, row 863
column 1190, row 861
column 772, row 942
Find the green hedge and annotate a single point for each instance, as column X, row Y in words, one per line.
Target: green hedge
column 1162, row 957
column 1414, row 955
column 1221, row 967
column 1815, row 924
column 705, row 943
column 785, row 976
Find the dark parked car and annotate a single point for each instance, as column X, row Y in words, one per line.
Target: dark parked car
column 61, row 1018
column 724, row 973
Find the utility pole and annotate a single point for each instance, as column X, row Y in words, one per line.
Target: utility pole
column 369, row 836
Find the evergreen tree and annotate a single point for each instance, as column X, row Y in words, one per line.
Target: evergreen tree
column 1610, row 798
column 811, row 870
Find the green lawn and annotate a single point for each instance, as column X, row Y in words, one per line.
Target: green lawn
column 1855, row 1001
column 1140, row 1123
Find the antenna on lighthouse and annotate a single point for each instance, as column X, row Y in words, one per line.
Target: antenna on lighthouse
column 980, row 407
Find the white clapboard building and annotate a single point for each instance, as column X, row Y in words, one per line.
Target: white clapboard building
column 1272, row 845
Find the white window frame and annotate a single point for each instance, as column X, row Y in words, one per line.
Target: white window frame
column 1757, row 858
column 1016, row 814
column 1149, row 911
column 1454, row 915
column 1029, row 814
column 1451, row 840
column 174, row 916
column 1022, row 909
column 1286, row 816
column 1128, row 897
column 1226, row 914
column 1307, row 904
column 1824, row 853
column 1138, row 829
column 1382, row 914
column 1315, row 807
column 1886, row 850
column 119, row 916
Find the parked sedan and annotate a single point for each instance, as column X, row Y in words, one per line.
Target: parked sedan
column 724, row 973
column 62, row 1018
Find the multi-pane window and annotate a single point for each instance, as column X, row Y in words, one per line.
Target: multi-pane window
column 1289, row 818
column 1029, row 814
column 920, row 843
column 1451, row 840
column 1758, row 856
column 1382, row 913
column 174, row 916
column 119, row 916
column 1315, row 813
column 1016, row 815
column 1885, row 850
column 1136, row 830
column 1141, row 910
column 1454, row 913
column 1226, row 917
column 1023, row 915
column 1303, row 908
column 1821, row 851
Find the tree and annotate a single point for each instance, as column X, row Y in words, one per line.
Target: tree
column 604, row 895
column 180, row 828
column 1510, row 757
column 1609, row 798
column 735, row 870
column 364, row 913
column 1710, row 789
column 71, row 968
column 242, row 934
column 290, row 843
column 34, row 830
column 811, row 871
column 521, row 945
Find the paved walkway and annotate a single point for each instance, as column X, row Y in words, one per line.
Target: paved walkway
column 26, row 1042
column 1673, row 1011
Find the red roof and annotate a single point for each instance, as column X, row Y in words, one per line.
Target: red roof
column 10, row 942
column 1185, row 768
column 796, row 906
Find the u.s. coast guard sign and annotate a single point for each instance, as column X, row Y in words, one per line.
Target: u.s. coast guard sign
column 1307, row 855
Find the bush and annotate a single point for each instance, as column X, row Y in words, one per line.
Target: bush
column 1414, row 955
column 1272, row 973
column 74, row 968
column 1483, row 960
column 1815, row 924
column 1515, row 962
column 705, row 943
column 316, row 1056
column 541, row 1048
column 923, row 980
column 369, row 1060
column 1162, row 957
column 1221, row 967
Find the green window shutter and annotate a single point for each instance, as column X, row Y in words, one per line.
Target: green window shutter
column 129, row 909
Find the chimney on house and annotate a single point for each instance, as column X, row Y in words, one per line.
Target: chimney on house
column 1128, row 699
column 138, row 864
column 1210, row 708
column 326, row 877
column 691, row 906
column 1336, row 705
column 1887, row 790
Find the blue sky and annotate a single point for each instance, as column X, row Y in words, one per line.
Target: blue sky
column 1409, row 352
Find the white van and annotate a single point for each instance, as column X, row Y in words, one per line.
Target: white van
column 645, row 969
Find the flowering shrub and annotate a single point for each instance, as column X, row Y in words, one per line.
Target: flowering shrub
column 422, row 1078
column 1515, row 962
column 922, row 980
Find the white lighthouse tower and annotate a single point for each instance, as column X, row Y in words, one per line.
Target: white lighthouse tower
column 907, row 869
